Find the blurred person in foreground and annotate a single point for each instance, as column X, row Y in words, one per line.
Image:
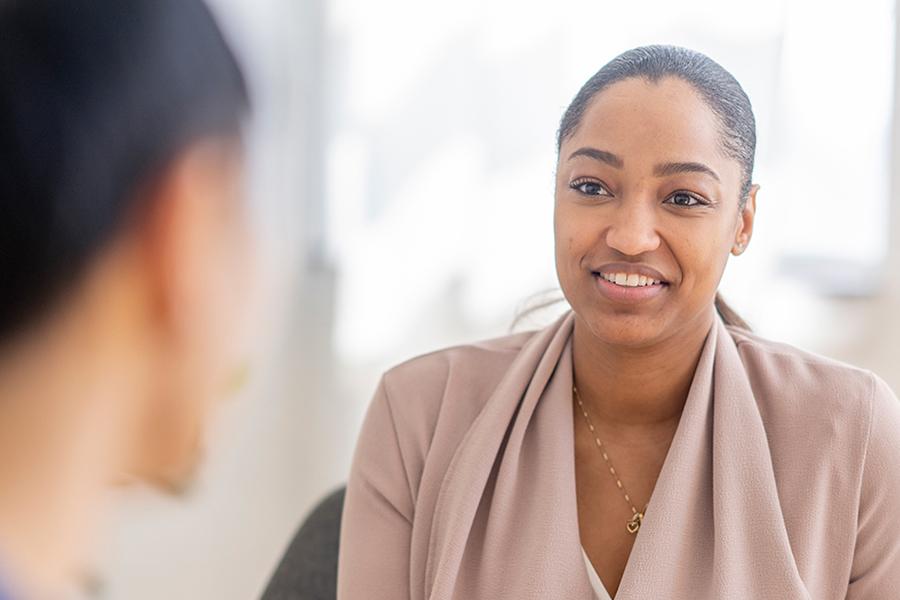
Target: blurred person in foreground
column 124, row 260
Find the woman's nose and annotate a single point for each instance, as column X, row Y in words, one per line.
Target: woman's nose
column 633, row 228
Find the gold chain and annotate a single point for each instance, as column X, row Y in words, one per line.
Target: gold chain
column 637, row 516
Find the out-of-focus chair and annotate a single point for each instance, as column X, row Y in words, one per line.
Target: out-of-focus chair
column 308, row 569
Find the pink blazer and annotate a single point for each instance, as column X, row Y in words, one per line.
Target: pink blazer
column 782, row 480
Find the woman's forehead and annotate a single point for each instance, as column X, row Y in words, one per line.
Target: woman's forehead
column 640, row 120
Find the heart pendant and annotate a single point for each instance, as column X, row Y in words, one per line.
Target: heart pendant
column 635, row 523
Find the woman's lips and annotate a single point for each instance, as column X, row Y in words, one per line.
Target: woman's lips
column 628, row 294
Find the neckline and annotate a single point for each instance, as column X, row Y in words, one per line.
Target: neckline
column 596, row 583
column 701, row 385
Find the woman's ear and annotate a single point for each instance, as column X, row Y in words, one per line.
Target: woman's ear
column 745, row 222
column 178, row 226
column 193, row 263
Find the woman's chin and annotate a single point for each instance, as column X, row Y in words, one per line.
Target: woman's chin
column 627, row 331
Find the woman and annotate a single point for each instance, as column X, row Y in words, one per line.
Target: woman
column 646, row 445
column 122, row 241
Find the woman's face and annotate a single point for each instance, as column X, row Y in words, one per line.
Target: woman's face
column 647, row 212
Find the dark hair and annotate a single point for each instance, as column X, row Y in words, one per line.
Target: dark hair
column 718, row 88
column 96, row 97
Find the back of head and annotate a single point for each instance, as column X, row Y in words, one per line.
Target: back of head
column 96, row 96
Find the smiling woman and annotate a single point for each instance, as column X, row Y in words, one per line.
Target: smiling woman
column 647, row 444
column 706, row 115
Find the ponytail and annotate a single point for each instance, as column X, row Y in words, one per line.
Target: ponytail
column 729, row 315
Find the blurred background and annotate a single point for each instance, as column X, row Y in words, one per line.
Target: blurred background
column 402, row 187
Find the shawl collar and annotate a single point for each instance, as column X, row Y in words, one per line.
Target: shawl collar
column 713, row 527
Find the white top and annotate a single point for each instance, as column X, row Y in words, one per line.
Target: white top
column 599, row 589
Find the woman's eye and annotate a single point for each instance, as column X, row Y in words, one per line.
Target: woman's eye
column 589, row 188
column 684, row 199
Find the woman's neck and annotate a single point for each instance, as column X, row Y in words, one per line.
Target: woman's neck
column 60, row 408
column 638, row 387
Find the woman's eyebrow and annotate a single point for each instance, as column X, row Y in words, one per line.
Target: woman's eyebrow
column 673, row 168
column 661, row 170
column 601, row 155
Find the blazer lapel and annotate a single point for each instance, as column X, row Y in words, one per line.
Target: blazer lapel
column 506, row 512
column 506, row 525
column 714, row 526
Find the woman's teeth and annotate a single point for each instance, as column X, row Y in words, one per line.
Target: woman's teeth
column 629, row 279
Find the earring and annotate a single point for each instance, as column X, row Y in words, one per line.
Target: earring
column 739, row 248
column 237, row 379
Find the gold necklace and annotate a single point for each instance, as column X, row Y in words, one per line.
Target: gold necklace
column 637, row 516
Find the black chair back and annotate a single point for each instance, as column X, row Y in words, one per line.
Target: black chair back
column 308, row 569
